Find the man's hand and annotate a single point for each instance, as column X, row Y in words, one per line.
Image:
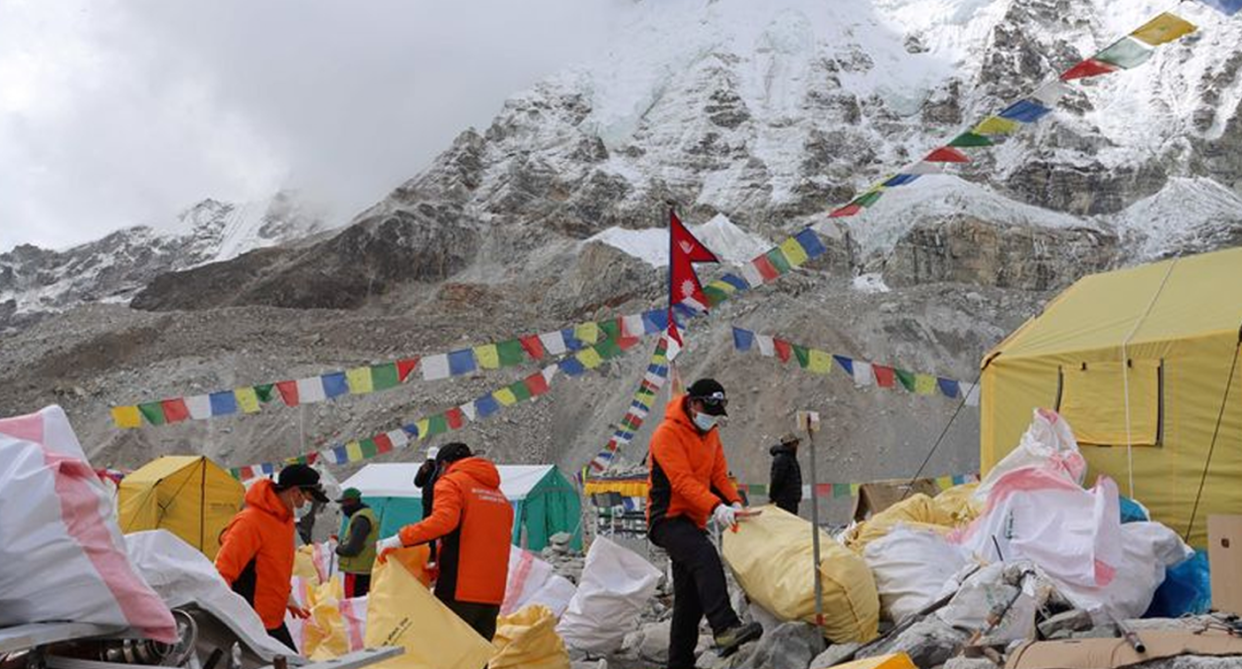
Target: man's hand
column 299, row 612
column 725, row 516
column 433, row 571
column 385, row 546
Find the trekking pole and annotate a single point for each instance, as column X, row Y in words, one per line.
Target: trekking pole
column 808, row 420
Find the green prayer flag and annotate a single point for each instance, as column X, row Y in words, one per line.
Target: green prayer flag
column 264, row 392
column 611, row 329
column 970, row 139
column 840, row 490
column 867, row 199
column 153, row 412
column 777, row 257
column 907, row 378
column 511, row 353
column 437, row 424
column 520, row 390
column 803, row 355
column 608, row 348
column 1126, row 53
column 385, row 376
column 714, row 295
column 369, row 448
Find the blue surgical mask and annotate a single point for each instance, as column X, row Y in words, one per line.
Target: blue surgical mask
column 704, row 421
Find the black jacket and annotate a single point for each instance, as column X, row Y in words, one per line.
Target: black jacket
column 785, row 486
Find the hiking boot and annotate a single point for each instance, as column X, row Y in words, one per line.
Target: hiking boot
column 728, row 641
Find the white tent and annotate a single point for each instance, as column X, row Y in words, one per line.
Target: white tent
column 397, row 480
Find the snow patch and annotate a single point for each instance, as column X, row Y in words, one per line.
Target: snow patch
column 870, row 283
column 1184, row 214
column 730, row 243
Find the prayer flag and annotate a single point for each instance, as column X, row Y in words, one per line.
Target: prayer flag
column 223, row 403
column 536, row 384
column 175, row 410
column 385, row 376
column 900, row 180
column 924, row 384
column 751, row 272
column 883, row 375
column 742, row 339
column 353, row 451
column 906, row 379
column 819, row 362
column 850, row 209
column 153, row 412
column 589, row 358
column 810, row 243
column 1125, row 53
column 572, row 343
column 264, row 392
column 334, row 384
column 437, row 425
column 793, row 252
column 1087, row 68
column 948, row 387
column 783, row 350
column 946, row 154
column 487, row 355
column 468, row 410
column 740, row 284
column 359, row 380
column 766, row 347
column 505, row 397
column 802, row 355
column 1025, row 111
column 533, row 346
column 970, row 140
column 454, row 418
column 923, row 167
column 310, row 390
column 1051, row 93
column 461, row 362
column 862, row 373
column 247, row 399
column 995, row 125
column 572, row 366
column 520, row 390
column 587, row 332
column 846, row 363
column 486, row 406
column 1164, row 28
column 405, row 367
column 553, row 343
column 869, row 198
column 200, row 406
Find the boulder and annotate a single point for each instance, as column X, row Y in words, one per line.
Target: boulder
column 970, row 663
column 789, row 646
column 929, row 643
column 835, row 654
column 1063, row 624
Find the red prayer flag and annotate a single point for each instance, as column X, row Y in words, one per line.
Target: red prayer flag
column 848, row 210
column 455, row 418
column 1087, row 68
column 175, row 410
column 247, row 473
column 288, row 392
column 823, row 490
column 946, row 154
column 382, row 443
column 536, row 384
column 405, row 368
column 766, row 270
column 312, row 457
column 883, row 375
column 783, row 349
column 533, row 346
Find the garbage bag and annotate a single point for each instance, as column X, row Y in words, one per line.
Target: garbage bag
column 910, row 566
column 1048, row 442
column 182, row 575
column 772, row 557
column 315, row 561
column 527, row 639
column 330, row 631
column 917, row 510
column 1187, row 589
column 532, row 581
column 1147, row 550
column 401, row 611
column 959, row 503
column 61, row 555
column 983, row 590
column 1038, row 513
column 1132, row 511
column 615, row 586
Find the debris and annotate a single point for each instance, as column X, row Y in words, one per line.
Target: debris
column 1062, row 624
column 929, row 642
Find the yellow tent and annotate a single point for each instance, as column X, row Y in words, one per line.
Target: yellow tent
column 1143, row 364
column 189, row 496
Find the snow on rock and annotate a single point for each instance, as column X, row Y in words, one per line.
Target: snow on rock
column 1187, row 214
column 730, row 243
column 870, row 283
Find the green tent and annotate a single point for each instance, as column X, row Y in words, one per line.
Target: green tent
column 544, row 502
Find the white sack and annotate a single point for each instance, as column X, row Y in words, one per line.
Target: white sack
column 533, row 581
column 615, row 587
column 911, row 566
column 1149, row 549
column 980, row 591
column 182, row 575
column 1049, row 442
column 61, row 557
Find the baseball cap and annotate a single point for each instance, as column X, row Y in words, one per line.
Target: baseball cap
column 350, row 493
column 303, row 477
column 789, row 438
column 711, row 394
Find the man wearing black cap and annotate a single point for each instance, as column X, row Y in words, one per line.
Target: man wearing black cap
column 689, row 483
column 785, row 485
column 257, row 548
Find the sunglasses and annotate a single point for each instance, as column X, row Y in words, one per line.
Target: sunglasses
column 716, row 399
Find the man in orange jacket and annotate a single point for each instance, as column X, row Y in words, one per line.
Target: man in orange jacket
column 474, row 524
column 257, row 548
column 689, row 483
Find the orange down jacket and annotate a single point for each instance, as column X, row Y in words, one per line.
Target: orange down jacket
column 687, row 472
column 474, row 523
column 256, row 553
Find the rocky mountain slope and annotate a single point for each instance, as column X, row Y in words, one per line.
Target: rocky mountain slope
column 767, row 113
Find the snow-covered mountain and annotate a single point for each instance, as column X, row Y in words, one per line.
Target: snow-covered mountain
column 35, row 282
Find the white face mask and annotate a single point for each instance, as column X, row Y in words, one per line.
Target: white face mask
column 704, row 421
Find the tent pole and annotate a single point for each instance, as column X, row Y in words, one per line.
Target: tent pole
column 819, row 592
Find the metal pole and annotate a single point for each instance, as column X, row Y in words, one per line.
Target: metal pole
column 819, row 593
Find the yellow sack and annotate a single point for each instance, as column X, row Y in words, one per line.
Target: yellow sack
column 771, row 555
column 527, row 639
column 894, row 661
column 917, row 510
column 958, row 503
column 324, row 636
column 304, row 565
column 402, row 612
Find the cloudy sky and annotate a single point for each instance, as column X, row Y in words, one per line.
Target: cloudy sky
column 120, row 112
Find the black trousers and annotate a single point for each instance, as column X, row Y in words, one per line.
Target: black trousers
column 698, row 587
column 480, row 617
column 282, row 635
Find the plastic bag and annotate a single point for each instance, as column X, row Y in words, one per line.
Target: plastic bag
column 910, row 566
column 532, row 581
column 917, row 510
column 315, row 561
column 182, row 575
column 1048, row 442
column 1187, row 589
column 61, row 555
column 1037, row 513
column 528, row 640
column 1132, row 511
column 770, row 554
column 959, row 503
column 401, row 611
column 615, row 586
column 1147, row 550
column 986, row 589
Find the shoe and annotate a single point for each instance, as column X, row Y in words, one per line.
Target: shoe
column 728, row 641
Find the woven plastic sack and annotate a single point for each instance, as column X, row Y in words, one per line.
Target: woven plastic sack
column 401, row 611
column 771, row 555
column 62, row 556
column 532, row 581
column 917, row 510
column 527, row 639
column 1048, row 442
column 910, row 566
column 959, row 503
column 614, row 589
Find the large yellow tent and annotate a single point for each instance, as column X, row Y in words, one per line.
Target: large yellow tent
column 1139, row 362
column 190, row 496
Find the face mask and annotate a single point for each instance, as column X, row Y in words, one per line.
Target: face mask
column 704, row 421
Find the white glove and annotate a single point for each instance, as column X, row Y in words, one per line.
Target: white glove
column 737, row 506
column 389, row 544
column 725, row 516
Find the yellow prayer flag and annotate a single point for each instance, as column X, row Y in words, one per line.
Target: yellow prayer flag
column 589, row 358
column 854, row 490
column 723, row 286
column 819, row 362
column 353, row 451
column 587, row 332
column 995, row 125
column 505, row 397
column 945, row 482
column 424, row 426
column 1164, row 28
column 359, row 379
column 127, row 417
column 794, row 251
column 247, row 399
column 924, row 384
column 488, row 356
